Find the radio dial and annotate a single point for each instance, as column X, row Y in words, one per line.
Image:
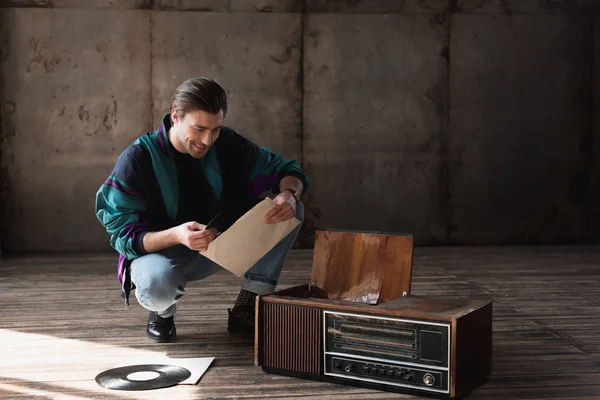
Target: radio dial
column 428, row 379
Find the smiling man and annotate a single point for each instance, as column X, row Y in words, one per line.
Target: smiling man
column 169, row 184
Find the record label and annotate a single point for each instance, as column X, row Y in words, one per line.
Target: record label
column 142, row 377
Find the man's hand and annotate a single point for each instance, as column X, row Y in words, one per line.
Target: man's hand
column 285, row 208
column 195, row 236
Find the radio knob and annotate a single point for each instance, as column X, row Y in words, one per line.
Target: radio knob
column 428, row 379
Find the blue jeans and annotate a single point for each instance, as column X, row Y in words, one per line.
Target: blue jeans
column 160, row 278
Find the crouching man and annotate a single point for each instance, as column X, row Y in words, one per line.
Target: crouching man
column 165, row 188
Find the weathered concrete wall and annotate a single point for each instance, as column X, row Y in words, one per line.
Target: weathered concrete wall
column 75, row 92
column 460, row 122
column 593, row 218
column 519, row 94
column 510, row 7
column 255, row 56
column 374, row 117
column 168, row 5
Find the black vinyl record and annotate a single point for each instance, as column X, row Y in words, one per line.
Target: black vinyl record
column 117, row 378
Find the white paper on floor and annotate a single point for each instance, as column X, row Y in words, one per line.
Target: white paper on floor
column 196, row 366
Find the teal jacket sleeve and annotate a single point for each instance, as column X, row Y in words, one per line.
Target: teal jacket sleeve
column 266, row 169
column 121, row 206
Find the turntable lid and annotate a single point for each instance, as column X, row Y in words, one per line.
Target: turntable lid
column 365, row 267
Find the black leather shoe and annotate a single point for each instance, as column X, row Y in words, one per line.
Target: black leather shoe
column 160, row 329
column 241, row 320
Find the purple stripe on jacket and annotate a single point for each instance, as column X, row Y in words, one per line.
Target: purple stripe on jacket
column 121, row 268
column 122, row 188
column 130, row 230
column 262, row 183
column 139, row 226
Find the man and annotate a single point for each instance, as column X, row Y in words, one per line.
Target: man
column 169, row 184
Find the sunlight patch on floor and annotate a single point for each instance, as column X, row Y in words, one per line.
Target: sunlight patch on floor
column 38, row 365
column 36, row 392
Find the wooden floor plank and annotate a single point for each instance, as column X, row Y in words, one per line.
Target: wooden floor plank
column 63, row 322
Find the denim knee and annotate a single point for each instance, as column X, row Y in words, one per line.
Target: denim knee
column 159, row 291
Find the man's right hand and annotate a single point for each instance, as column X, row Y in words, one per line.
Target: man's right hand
column 195, row 236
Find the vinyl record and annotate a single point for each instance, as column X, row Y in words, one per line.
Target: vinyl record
column 118, row 378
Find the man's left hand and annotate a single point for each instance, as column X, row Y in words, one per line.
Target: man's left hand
column 285, row 208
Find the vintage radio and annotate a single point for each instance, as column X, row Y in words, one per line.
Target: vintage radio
column 357, row 323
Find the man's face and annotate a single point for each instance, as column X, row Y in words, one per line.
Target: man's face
column 197, row 131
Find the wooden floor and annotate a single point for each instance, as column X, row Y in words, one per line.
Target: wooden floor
column 63, row 322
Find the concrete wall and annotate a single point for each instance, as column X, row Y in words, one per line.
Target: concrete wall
column 69, row 106
column 374, row 118
column 461, row 122
column 256, row 57
column 519, row 116
column 594, row 144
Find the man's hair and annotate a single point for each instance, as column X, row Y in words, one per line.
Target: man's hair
column 199, row 94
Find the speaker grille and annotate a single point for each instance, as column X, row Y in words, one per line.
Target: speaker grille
column 292, row 338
